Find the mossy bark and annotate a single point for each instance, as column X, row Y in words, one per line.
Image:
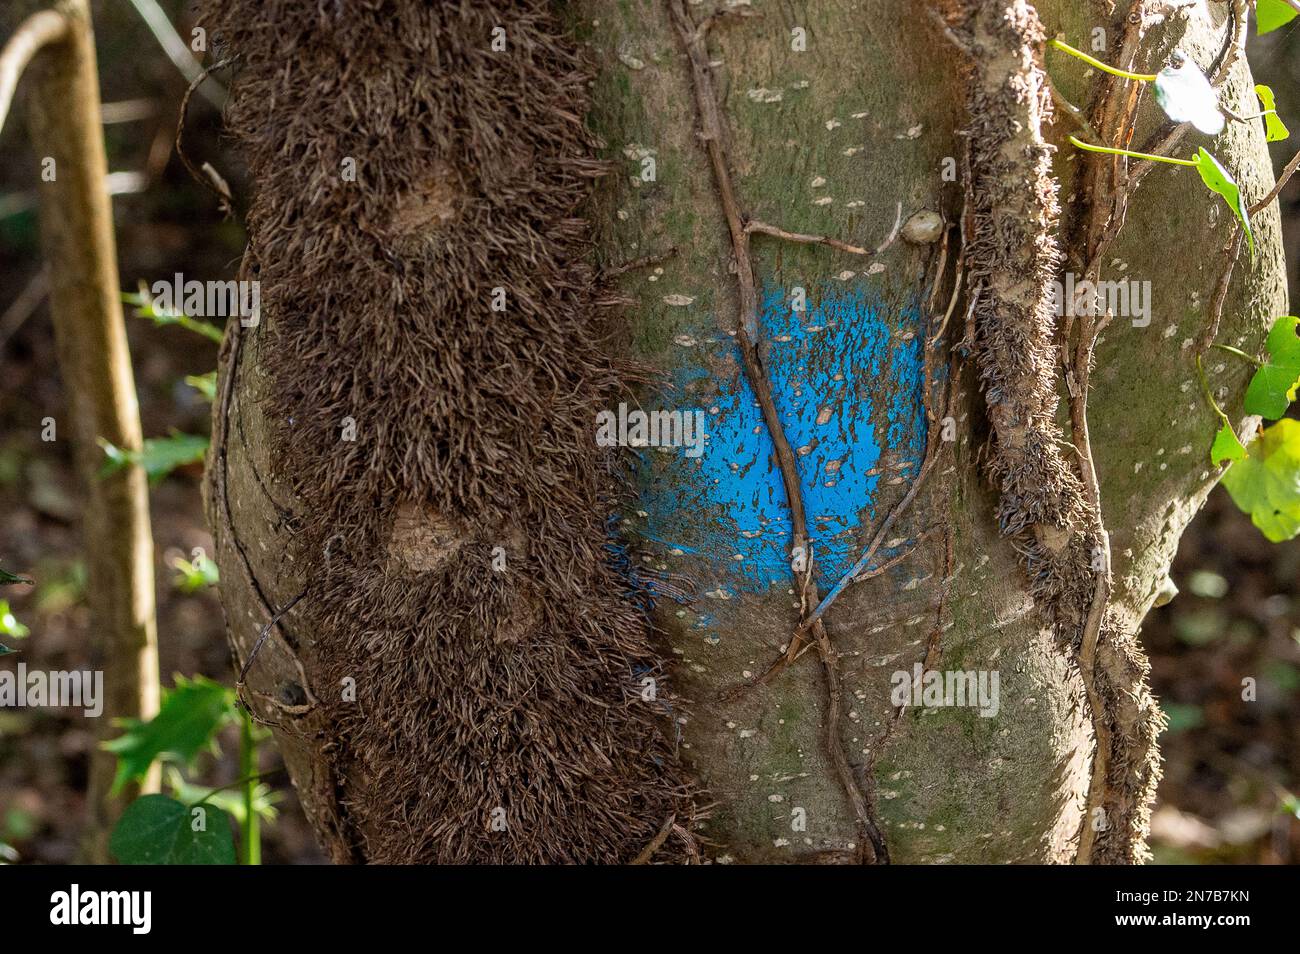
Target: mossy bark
column 839, row 113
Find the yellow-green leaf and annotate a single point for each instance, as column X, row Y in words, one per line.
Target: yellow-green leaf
column 1266, row 483
column 205, row 384
column 1226, row 446
column 1274, row 129
column 1271, row 14
column 1218, row 179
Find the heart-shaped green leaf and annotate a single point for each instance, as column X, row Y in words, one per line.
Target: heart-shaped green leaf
column 1274, row 129
column 1218, row 179
column 158, row 830
column 1273, row 387
column 1226, row 446
column 1186, row 96
column 1271, row 14
column 1266, row 484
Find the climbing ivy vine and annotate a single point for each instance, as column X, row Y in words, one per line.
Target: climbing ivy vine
column 1263, row 478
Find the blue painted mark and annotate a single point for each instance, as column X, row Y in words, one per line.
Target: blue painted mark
column 827, row 364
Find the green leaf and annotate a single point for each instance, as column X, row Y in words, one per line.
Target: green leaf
column 1273, row 387
column 8, row 579
column 1186, row 96
column 1217, row 179
column 146, row 307
column 1226, row 446
column 158, row 830
column 230, row 801
column 189, row 718
column 6, row 651
column 1274, row 129
column 205, row 384
column 1181, row 717
column 159, row 456
column 1266, row 484
column 194, row 575
column 1291, row 805
column 1271, row 14
column 9, row 625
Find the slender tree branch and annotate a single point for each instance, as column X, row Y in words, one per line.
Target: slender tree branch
column 76, row 222
column 33, row 34
column 800, row 238
column 161, row 27
column 1278, row 186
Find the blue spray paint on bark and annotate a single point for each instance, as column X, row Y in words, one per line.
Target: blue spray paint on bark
column 846, row 376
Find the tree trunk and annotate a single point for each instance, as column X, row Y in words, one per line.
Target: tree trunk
column 734, row 141
column 85, row 302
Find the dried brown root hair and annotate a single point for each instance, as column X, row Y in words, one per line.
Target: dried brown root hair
column 476, row 690
column 1049, row 503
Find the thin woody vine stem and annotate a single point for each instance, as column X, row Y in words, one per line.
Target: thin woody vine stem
column 1107, row 198
column 1050, row 505
column 871, row 844
column 1109, row 121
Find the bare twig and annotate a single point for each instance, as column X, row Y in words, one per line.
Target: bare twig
column 881, row 568
column 1231, row 252
column 161, row 27
column 1235, row 49
column 21, row 308
column 207, row 176
column 799, row 238
column 1074, row 112
column 948, row 32
column 655, row 843
column 37, row 31
column 864, row 561
column 266, row 631
column 644, row 261
column 717, row 17
column 1278, row 186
